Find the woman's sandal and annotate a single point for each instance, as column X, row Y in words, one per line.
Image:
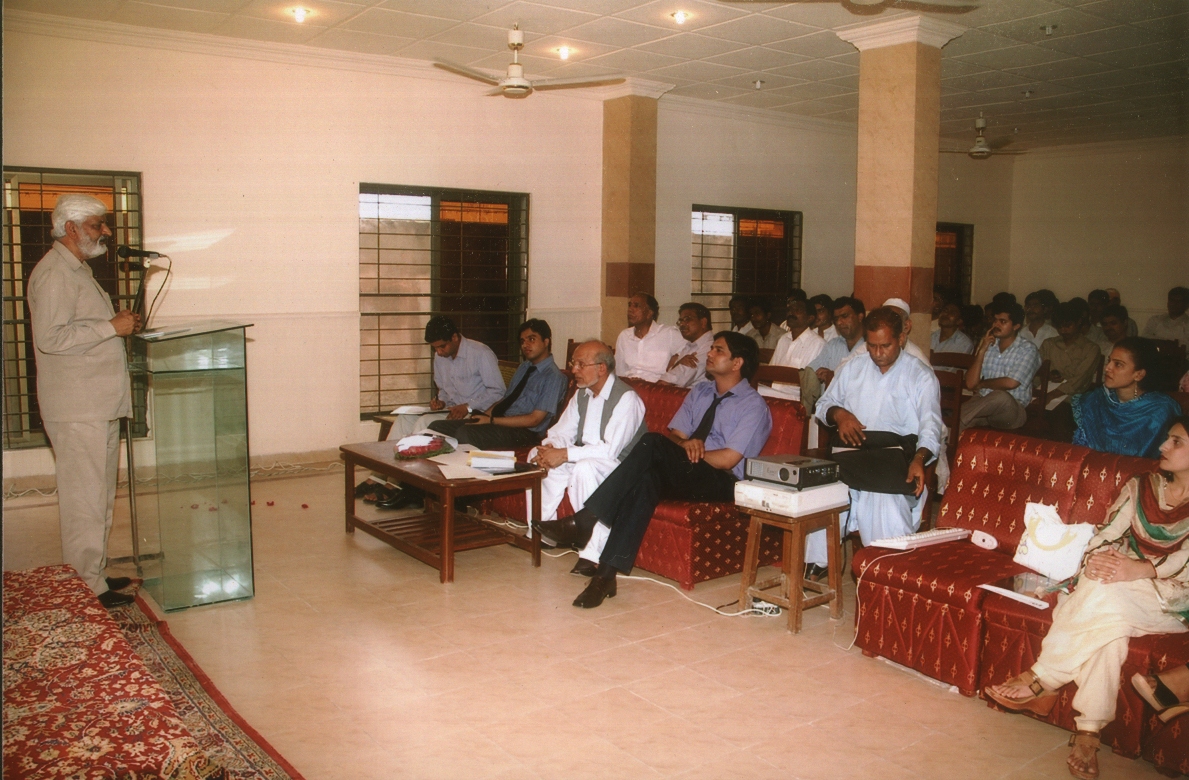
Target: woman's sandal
column 1159, row 696
column 1040, row 702
column 1085, row 753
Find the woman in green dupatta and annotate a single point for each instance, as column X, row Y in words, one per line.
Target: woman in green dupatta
column 1134, row 581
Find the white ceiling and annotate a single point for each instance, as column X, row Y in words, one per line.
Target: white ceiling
column 1110, row 69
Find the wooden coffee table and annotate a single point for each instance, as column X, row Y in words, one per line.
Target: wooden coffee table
column 434, row 537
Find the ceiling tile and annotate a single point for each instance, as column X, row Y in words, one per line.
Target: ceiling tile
column 617, row 32
column 822, row 44
column 267, row 30
column 323, row 13
column 696, row 71
column 966, row 100
column 1149, row 89
column 952, row 67
column 1066, row 22
column 1112, row 78
column 825, row 16
column 211, row 6
column 757, row 58
column 480, row 36
column 364, row 43
column 660, row 14
column 185, row 19
column 811, row 91
column 1175, row 27
column 692, row 46
column 811, row 108
column 817, row 70
column 462, row 55
column 748, row 80
column 1015, row 57
column 847, row 82
column 460, row 10
column 989, row 79
column 707, row 91
column 757, row 99
column 499, row 62
column 758, row 30
column 1099, row 41
column 398, row 23
column 534, row 17
column 1006, row 10
column 581, row 70
column 1170, row 71
column 593, row 6
column 635, row 60
column 1151, row 54
column 581, row 51
column 975, row 41
column 80, row 9
column 1060, row 70
column 1132, row 11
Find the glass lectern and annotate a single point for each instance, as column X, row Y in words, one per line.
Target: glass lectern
column 195, row 545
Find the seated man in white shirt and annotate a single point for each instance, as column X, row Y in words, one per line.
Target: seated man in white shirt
column 1038, row 310
column 689, row 365
column 597, row 430
column 801, row 344
column 822, row 308
column 1173, row 326
column 949, row 337
column 645, row 346
column 740, row 308
column 767, row 333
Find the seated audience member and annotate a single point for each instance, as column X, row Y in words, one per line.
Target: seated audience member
column 1112, row 328
column 941, row 296
column 526, row 412
column 795, row 294
column 465, row 372
column 1001, row 375
column 645, row 346
column 888, row 405
column 949, row 337
column 719, row 424
column 1117, row 300
column 597, row 430
column 767, row 333
column 1097, row 301
column 822, row 308
column 1134, row 581
column 1072, row 357
column 972, row 322
column 1173, row 326
column 901, row 306
column 1004, row 298
column 689, row 365
column 741, row 315
column 1125, row 415
column 801, row 344
column 848, row 320
column 1036, row 319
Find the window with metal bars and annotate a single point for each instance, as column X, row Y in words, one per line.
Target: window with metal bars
column 754, row 252
column 30, row 195
column 430, row 251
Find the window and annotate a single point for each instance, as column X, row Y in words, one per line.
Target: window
column 743, row 252
column 30, row 195
column 424, row 252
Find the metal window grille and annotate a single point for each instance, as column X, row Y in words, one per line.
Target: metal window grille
column 30, row 195
column 743, row 252
column 430, row 251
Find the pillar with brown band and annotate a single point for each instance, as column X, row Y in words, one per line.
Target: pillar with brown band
column 899, row 125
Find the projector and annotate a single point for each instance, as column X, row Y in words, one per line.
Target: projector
column 794, row 470
column 791, row 502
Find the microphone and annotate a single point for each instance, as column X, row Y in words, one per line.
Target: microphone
column 127, row 251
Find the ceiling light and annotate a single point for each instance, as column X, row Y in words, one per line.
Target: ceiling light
column 300, row 13
column 759, row 83
column 1048, row 28
column 1027, row 93
column 564, row 52
column 679, row 16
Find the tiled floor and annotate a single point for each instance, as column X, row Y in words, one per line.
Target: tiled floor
column 356, row 663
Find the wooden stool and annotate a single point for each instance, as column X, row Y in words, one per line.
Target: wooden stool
column 792, row 579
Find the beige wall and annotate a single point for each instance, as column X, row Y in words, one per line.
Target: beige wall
column 979, row 193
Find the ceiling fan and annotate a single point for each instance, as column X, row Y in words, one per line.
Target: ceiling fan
column 983, row 148
column 515, row 85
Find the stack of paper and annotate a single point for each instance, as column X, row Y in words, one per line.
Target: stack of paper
column 492, row 461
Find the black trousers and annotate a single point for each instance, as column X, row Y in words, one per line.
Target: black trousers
column 657, row 469
column 487, row 437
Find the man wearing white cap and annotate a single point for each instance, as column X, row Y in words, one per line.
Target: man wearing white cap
column 906, row 344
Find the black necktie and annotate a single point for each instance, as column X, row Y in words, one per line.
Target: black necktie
column 707, row 423
column 502, row 407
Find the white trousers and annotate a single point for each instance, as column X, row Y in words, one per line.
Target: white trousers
column 408, row 424
column 87, row 458
column 875, row 516
column 581, row 479
column 1087, row 643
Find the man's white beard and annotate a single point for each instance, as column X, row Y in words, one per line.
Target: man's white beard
column 91, row 247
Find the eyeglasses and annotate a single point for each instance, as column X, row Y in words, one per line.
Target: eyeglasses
column 582, row 364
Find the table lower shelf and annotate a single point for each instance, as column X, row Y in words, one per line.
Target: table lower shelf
column 421, row 535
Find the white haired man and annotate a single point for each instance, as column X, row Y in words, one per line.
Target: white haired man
column 83, row 387
column 597, row 430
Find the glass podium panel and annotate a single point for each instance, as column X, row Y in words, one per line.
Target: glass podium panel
column 201, row 525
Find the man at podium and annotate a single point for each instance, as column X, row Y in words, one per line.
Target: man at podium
column 83, row 387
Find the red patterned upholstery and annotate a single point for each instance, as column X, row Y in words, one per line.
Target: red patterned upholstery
column 1103, row 476
column 1168, row 746
column 1012, row 642
column 690, row 542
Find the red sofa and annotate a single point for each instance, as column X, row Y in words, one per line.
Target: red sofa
column 687, row 541
column 924, row 609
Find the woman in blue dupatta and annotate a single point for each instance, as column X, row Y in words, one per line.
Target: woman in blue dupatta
column 1125, row 416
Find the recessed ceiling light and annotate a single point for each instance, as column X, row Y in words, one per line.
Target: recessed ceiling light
column 300, row 13
column 759, row 83
column 564, row 52
column 679, row 16
column 1027, row 93
column 1048, row 28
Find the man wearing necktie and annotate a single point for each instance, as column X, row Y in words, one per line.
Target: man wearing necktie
column 727, row 421
column 530, row 407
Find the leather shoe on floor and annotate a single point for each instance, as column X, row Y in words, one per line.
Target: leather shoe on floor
column 118, row 583
column 111, row 599
column 564, row 532
column 401, row 499
column 815, row 573
column 585, row 568
column 597, row 590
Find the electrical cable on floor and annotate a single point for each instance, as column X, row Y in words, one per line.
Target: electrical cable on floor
column 716, row 610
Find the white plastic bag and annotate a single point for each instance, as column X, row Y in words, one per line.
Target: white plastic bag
column 1049, row 546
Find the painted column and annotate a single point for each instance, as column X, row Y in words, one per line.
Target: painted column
column 899, row 128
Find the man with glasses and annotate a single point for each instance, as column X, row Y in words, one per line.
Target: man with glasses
column 689, row 365
column 597, row 430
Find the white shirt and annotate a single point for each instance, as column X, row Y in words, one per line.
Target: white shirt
column 830, row 333
column 647, row 358
column 1046, row 332
column 958, row 342
column 747, row 330
column 1161, row 326
column 797, row 352
column 622, row 426
column 684, row 376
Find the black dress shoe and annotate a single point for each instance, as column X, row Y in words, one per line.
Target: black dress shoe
column 111, row 599
column 118, row 583
column 401, row 499
column 564, row 532
column 815, row 573
column 597, row 589
column 584, row 568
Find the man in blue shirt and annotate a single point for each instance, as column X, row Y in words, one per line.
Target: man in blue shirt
column 530, row 407
column 721, row 423
column 848, row 321
column 1001, row 374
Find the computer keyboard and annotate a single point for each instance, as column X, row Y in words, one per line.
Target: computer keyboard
column 923, row 539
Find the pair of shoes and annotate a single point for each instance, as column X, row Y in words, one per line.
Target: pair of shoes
column 1159, row 696
column 118, row 583
column 1040, row 702
column 111, row 599
column 815, row 573
column 597, row 589
column 1083, row 759
column 373, row 492
column 565, row 532
column 400, row 499
column 585, row 568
